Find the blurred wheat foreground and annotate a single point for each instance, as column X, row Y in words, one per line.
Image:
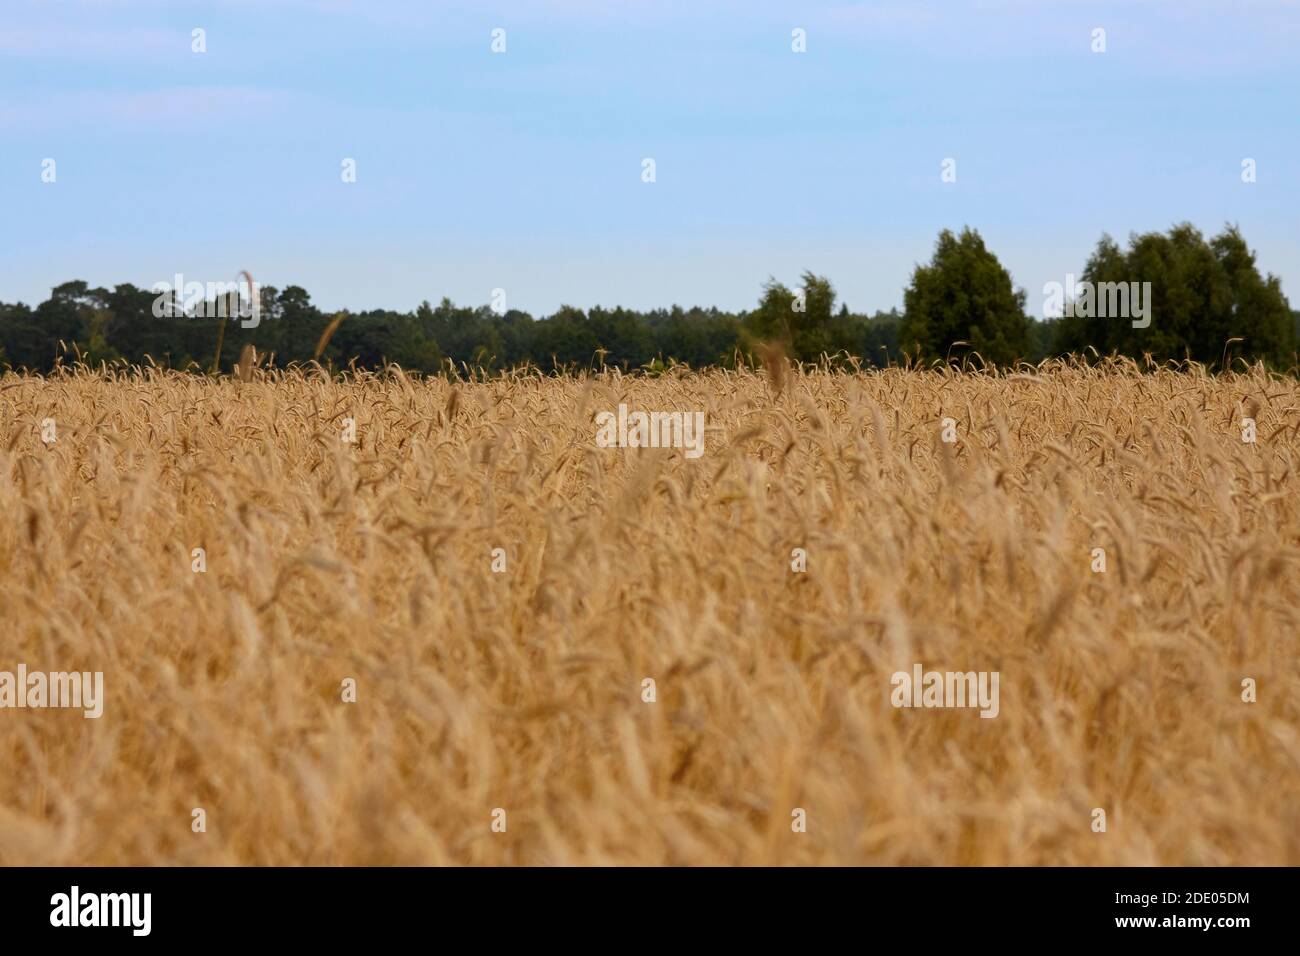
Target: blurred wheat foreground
column 497, row 590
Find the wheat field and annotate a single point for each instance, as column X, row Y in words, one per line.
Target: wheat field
column 500, row 711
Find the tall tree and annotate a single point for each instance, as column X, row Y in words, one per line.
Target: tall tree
column 801, row 322
column 964, row 295
column 1201, row 295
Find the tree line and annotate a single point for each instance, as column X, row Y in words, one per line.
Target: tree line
column 1171, row 296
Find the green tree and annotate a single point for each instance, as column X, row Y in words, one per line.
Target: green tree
column 964, row 294
column 800, row 322
column 1201, row 294
column 300, row 325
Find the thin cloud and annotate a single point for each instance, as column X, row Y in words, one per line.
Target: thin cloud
column 89, row 44
column 109, row 108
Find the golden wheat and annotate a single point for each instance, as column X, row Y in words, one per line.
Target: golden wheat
column 522, row 690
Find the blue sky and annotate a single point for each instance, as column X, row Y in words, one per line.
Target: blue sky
column 522, row 170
